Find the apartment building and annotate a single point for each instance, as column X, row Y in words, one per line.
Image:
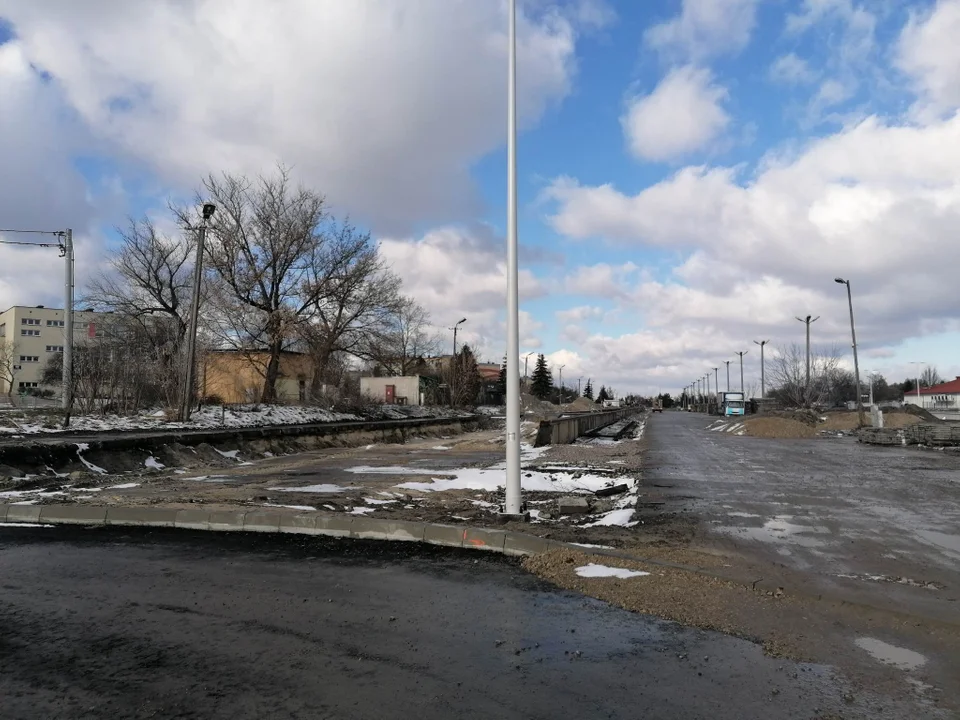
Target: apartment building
column 33, row 334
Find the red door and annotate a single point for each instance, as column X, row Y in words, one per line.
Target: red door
column 391, row 391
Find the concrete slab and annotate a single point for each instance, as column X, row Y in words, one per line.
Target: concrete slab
column 334, row 525
column 572, row 505
column 449, row 535
column 193, row 519
column 305, row 523
column 73, row 514
column 377, row 529
column 229, row 520
column 522, row 544
column 156, row 517
column 262, row 521
column 482, row 539
column 23, row 513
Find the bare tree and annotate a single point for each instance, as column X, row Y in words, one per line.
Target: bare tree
column 788, row 375
column 354, row 299
column 149, row 287
column 8, row 364
column 930, row 377
column 266, row 242
column 399, row 349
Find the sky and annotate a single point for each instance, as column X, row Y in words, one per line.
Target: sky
column 693, row 174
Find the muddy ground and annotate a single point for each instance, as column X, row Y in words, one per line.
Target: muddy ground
column 862, row 540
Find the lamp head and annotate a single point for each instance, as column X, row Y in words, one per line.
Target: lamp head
column 208, row 210
column 840, row 280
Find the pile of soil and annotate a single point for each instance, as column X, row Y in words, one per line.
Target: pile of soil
column 581, row 404
column 844, row 421
column 778, row 427
column 901, row 419
column 801, row 415
column 534, row 407
column 924, row 415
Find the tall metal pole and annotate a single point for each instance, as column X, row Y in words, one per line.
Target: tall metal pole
column 856, row 361
column 716, row 378
column 187, row 399
column 727, row 362
column 512, row 504
column 741, row 354
column 560, row 393
column 707, row 376
column 763, row 379
column 807, row 320
column 68, row 320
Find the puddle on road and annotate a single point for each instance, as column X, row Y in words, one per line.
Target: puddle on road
column 891, row 654
column 778, row 529
column 949, row 543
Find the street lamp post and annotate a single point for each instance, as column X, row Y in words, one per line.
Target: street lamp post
column 707, row 377
column 716, row 378
column 208, row 210
column 512, row 507
column 741, row 354
column 560, row 393
column 919, row 364
column 763, row 379
column 727, row 363
column 856, row 362
column 806, row 387
column 525, row 358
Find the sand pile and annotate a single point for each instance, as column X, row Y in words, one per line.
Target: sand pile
column 581, row 404
column 900, row 419
column 778, row 427
column 924, row 415
column 843, row 421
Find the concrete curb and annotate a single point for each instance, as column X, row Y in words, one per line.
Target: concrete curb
column 261, row 520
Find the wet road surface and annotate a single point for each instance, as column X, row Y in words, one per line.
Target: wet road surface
column 170, row 624
column 876, row 524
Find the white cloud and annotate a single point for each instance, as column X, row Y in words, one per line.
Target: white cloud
column 683, row 113
column 877, row 202
column 579, row 314
column 39, row 187
column 929, row 52
column 458, row 272
column 382, row 105
column 791, row 69
column 704, row 28
column 602, row 279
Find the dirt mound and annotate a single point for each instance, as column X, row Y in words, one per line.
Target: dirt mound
column 899, row 420
column 581, row 405
column 924, row 415
column 846, row 420
column 801, row 415
column 538, row 408
column 778, row 427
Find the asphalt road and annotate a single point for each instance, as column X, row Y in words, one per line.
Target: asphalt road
column 852, row 519
column 98, row 623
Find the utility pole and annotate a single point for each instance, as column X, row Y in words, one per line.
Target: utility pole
column 741, row 354
column 707, row 376
column 65, row 245
column 187, row 401
column 763, row 380
column 560, row 393
column 856, row 362
column 716, row 378
column 512, row 507
column 727, row 363
column 806, row 387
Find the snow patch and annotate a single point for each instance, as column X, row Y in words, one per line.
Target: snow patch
column 615, row 517
column 232, row 454
column 81, row 447
column 597, row 571
column 123, row 486
column 152, row 463
column 315, row 489
column 6, row 524
column 292, row 507
column 361, row 510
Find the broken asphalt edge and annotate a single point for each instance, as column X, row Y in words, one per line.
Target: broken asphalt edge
column 506, row 542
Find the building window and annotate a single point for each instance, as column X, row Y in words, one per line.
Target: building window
column 30, row 321
column 54, row 323
column 29, row 358
column 3, row 330
column 25, row 385
column 30, row 333
column 54, row 348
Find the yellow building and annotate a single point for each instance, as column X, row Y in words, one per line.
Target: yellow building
column 237, row 377
column 31, row 335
